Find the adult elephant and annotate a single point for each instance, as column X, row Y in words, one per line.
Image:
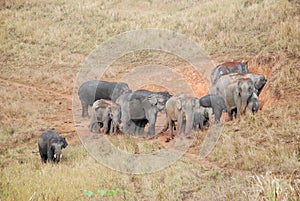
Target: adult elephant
column 228, row 68
column 259, row 81
column 91, row 91
column 236, row 95
column 138, row 126
column 180, row 108
column 138, row 110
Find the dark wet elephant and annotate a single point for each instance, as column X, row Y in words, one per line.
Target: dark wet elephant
column 91, row 91
column 216, row 102
column 228, row 68
column 50, row 145
column 138, row 110
column 180, row 108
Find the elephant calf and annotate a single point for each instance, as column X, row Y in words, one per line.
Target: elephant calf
column 50, row 145
column 216, row 102
column 181, row 108
column 107, row 114
column 201, row 118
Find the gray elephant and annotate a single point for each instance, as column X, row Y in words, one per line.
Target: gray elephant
column 105, row 113
column 258, row 80
column 50, row 146
column 138, row 126
column 201, row 118
column 216, row 102
column 138, row 110
column 236, row 95
column 228, row 68
column 180, row 108
column 253, row 103
column 91, row 91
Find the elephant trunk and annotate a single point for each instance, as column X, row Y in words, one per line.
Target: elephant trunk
column 57, row 156
column 189, row 124
column 245, row 98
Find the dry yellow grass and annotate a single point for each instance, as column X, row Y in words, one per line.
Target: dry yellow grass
column 43, row 45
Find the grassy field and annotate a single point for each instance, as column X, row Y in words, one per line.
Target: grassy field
column 43, row 45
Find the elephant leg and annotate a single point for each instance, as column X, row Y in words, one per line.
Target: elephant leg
column 99, row 125
column 44, row 158
column 171, row 124
column 126, row 126
column 165, row 127
column 181, row 125
column 84, row 109
column 238, row 108
column 151, row 117
column 132, row 127
column 218, row 114
column 50, row 155
column 91, row 126
column 201, row 124
column 111, row 130
column 142, row 128
column 230, row 112
column 106, row 126
column 151, row 128
column 135, row 127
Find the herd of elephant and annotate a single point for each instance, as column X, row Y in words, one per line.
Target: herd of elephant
column 233, row 90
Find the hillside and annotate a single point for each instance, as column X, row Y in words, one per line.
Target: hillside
column 44, row 45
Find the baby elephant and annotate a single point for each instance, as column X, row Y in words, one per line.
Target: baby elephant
column 217, row 104
column 201, row 118
column 105, row 113
column 50, row 145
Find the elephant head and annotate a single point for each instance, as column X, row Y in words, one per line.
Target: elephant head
column 157, row 100
column 244, row 90
column 253, row 103
column 56, row 148
column 186, row 104
column 259, row 83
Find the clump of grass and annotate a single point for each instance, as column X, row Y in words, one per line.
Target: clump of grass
column 271, row 187
column 260, row 145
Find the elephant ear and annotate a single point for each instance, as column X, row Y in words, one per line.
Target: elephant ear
column 152, row 99
column 136, row 110
column 179, row 104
